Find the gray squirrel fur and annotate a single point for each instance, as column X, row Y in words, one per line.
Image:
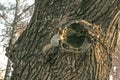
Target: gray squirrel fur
column 54, row 42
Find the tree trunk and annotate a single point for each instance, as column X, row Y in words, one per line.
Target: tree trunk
column 98, row 16
column 8, row 70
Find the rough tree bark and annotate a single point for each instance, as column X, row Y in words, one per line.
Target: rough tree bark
column 100, row 17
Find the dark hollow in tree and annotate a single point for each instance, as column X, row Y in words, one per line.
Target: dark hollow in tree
column 102, row 21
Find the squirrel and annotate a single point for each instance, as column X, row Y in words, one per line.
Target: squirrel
column 54, row 42
column 18, row 33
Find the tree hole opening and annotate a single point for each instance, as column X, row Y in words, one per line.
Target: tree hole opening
column 75, row 35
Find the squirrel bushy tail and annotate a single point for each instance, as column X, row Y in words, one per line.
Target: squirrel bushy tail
column 46, row 48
